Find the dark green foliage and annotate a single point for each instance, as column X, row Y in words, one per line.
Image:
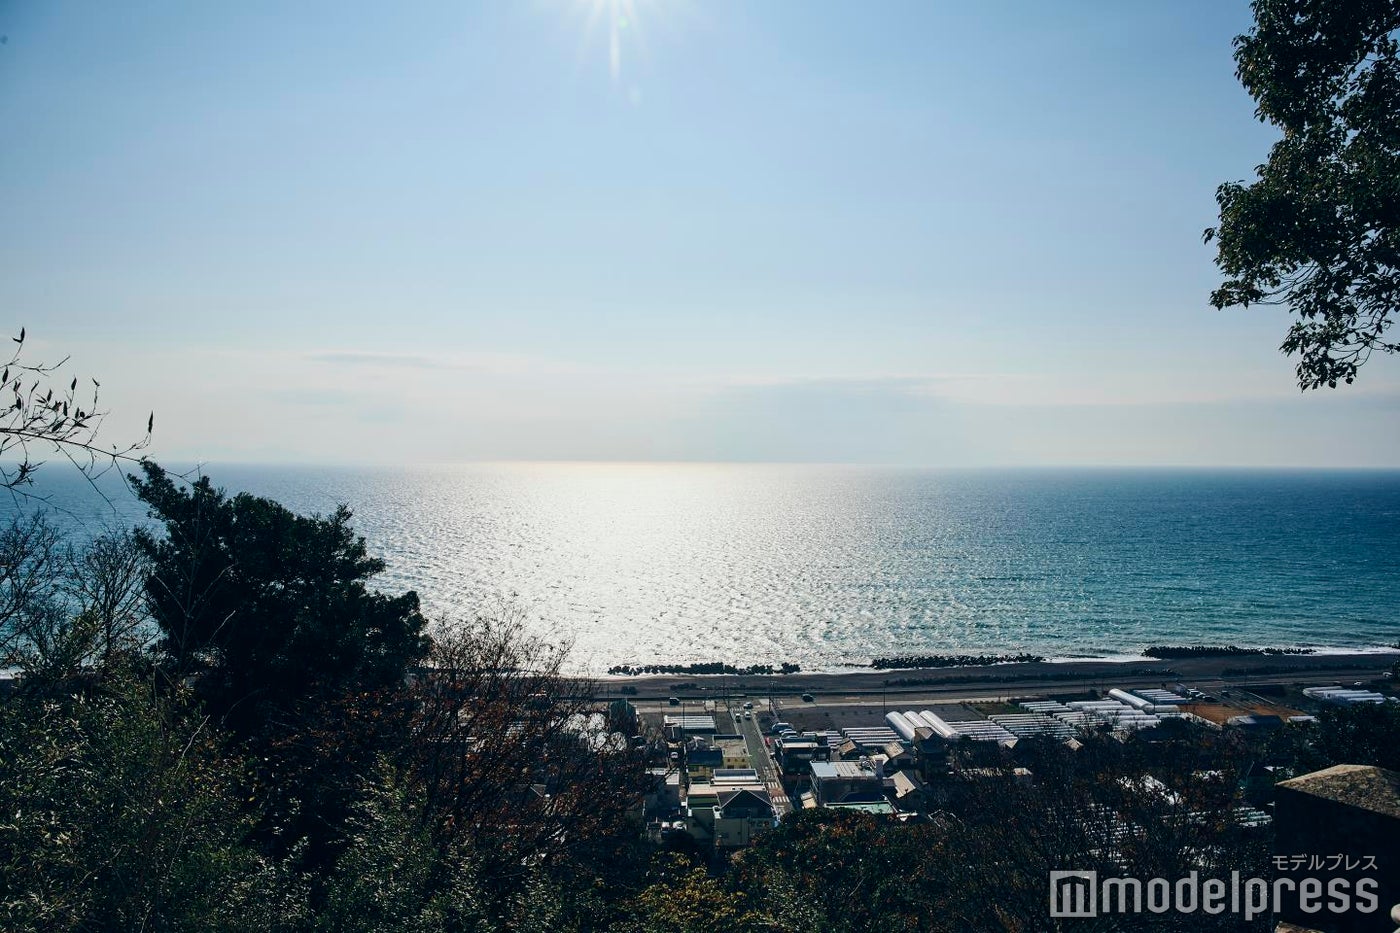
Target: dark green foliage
column 389, row 876
column 682, row 898
column 850, row 871
column 1359, row 734
column 270, row 608
column 268, row 614
column 1317, row 230
column 392, row 877
column 121, row 813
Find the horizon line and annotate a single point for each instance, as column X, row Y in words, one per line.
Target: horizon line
column 884, row 465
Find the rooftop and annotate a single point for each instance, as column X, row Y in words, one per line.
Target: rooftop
column 879, row 807
column 1369, row 788
column 830, row 770
column 754, row 802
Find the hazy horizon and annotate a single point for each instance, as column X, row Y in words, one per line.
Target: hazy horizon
column 184, row 464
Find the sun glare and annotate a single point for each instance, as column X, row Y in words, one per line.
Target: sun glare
column 620, row 18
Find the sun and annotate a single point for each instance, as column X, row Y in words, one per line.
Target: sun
column 621, row 19
column 666, row 21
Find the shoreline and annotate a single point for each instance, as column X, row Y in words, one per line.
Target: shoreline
column 1029, row 676
column 1221, row 653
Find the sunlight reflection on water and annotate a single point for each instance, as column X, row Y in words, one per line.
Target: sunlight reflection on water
column 827, row 566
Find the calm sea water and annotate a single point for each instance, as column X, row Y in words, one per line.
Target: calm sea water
column 827, row 566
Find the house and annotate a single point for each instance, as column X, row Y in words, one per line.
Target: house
column 846, row 782
column 663, row 795
column 897, row 756
column 908, row 790
column 733, row 749
column 742, row 815
column 683, row 727
column 795, row 754
column 1350, row 813
column 931, row 756
column 725, row 812
column 701, row 760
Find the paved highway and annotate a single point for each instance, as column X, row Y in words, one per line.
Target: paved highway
column 905, row 698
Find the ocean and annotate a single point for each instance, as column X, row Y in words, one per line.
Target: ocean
column 829, row 566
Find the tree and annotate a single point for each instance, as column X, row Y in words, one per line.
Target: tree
column 513, row 762
column 105, row 584
column 389, row 877
column 52, row 417
column 269, row 614
column 1316, row 231
column 66, row 610
column 268, row 608
column 121, row 812
column 851, row 871
column 30, row 584
column 684, row 899
column 1360, row 734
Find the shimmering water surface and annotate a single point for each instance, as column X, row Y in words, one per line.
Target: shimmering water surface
column 827, row 566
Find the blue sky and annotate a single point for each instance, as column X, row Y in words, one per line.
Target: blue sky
column 922, row 233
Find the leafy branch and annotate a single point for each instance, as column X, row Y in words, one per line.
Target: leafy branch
column 37, row 418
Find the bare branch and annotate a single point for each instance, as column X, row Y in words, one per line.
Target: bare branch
column 36, row 419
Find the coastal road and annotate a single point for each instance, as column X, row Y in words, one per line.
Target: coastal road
column 904, row 697
column 901, row 700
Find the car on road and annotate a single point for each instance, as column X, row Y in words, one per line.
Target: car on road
column 808, row 698
column 748, row 705
column 674, row 701
column 748, row 715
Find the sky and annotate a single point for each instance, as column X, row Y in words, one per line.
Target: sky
column 918, row 233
